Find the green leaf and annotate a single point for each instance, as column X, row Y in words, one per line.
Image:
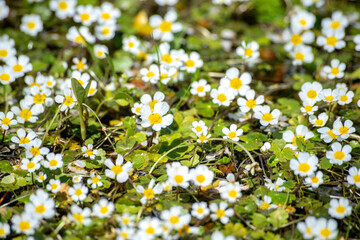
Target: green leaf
column 258, row 220
column 79, row 92
column 140, row 161
column 278, row 217
column 9, row 179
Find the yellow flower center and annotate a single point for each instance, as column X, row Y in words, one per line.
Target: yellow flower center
column 200, row 210
column 80, row 39
column 174, row 219
column 335, row 25
column 236, row 83
column 264, row 205
column 105, row 31
column 325, row 232
column 35, row 151
column 54, row 186
column 31, row 25
column 221, row 97
column 315, row 179
column 63, row 5
column 198, row 128
column 296, row 39
column 125, row 235
column 39, row 98
column 165, row 26
column 42, row 177
column 149, row 193
column 30, row 165
column 24, row 225
column 302, row 22
column 105, row 16
column 91, row 91
column 131, row 44
column 6, row 121
column 296, row 137
column 200, row 178
column 232, row 135
column 299, row 56
column 166, row 58
column 150, row 74
column 331, row 41
column 117, row 169
column 251, row 103
column 40, row 209
column 17, row 68
column 104, row 209
column 84, row 17
column 68, row 101
column 25, row 114
column 335, row 71
column 78, row 192
column 308, row 108
column 89, row 152
column 189, row 63
column 308, row 230
column 202, row 138
column 152, row 104
column 248, row 52
column 95, row 180
column 343, row 98
column 233, row 193
column 304, row 167
column 155, row 118
column 2, row 232
column 339, row 155
column 200, row 89
column 331, row 134
column 311, row 94
column 80, row 65
column 53, row 162
column 24, row 140
column 220, row 213
column 178, row 179
column 356, row 178
column 340, row 209
column 78, row 217
column 319, row 122
column 150, row 230
column 267, row 117
column 343, row 130
column 3, row 53
column 5, row 77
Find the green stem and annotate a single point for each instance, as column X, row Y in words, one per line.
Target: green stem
column 82, row 123
column 116, row 78
column 5, row 100
column 49, row 126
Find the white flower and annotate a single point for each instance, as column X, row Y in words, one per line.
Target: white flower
column 164, row 29
column 357, row 42
column 150, row 191
column 67, row 101
column 266, row 203
column 89, row 151
column 82, row 78
column 325, row 229
column 191, row 62
column 310, row 92
column 200, row 210
column 35, row 151
column 233, row 133
column 308, row 107
column 78, row 192
column 40, row 205
column 230, row 192
column 200, row 88
column 7, row 49
column 4, row 13
column 199, row 127
column 80, row 38
column 54, row 161
column 40, row 98
column 203, row 137
column 101, row 51
column 354, row 177
column 327, row 134
column 30, row 166
column 167, row 73
column 79, row 215
column 149, row 228
column 248, row 51
column 318, row 3
column 315, row 180
column 4, row 227
column 331, row 40
column 339, row 154
column 79, row 64
column 340, row 208
column 217, row 235
column 94, row 180
column 124, row 233
column 337, row 22
column 301, row 131
column 166, row 2
column 24, row 223
column 41, row 177
column 63, row 8
column 86, row 14
column 266, row 117
column 222, row 96
column 304, row 165
column 302, row 54
column 178, row 174
column 307, row 227
column 250, row 102
column 345, row 97
column 22, row 137
column 108, row 13
column 118, row 171
column 221, row 212
column 302, row 20
column 277, row 186
column 319, row 121
column 294, row 39
column 7, row 75
column 53, row 185
column 103, row 209
column 265, row 147
column 131, row 44
column 343, row 130
column 335, row 70
column 152, row 74
column 7, row 120
column 20, row 65
column 328, row 95
column 202, row 176
column 31, row 24
column 157, row 118
column 176, row 217
column 238, row 84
